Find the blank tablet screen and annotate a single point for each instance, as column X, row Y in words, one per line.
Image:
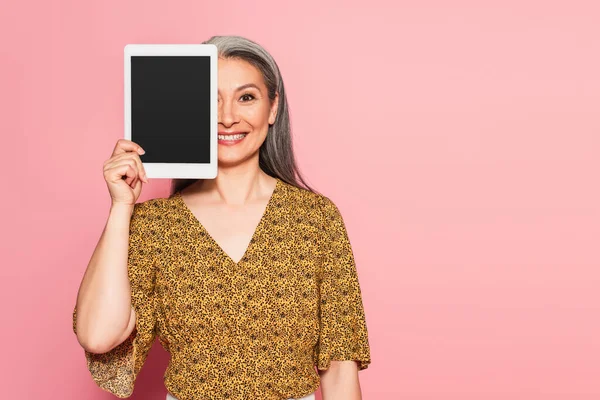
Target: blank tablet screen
column 170, row 108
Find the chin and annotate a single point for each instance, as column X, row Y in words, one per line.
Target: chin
column 233, row 159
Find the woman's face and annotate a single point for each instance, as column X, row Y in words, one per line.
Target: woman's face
column 244, row 107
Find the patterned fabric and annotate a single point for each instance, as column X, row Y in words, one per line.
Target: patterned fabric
column 252, row 329
column 310, row 396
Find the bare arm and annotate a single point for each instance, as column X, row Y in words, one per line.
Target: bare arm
column 340, row 381
column 105, row 317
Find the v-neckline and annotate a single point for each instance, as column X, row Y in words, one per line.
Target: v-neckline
column 259, row 227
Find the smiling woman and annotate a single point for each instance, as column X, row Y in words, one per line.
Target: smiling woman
column 248, row 280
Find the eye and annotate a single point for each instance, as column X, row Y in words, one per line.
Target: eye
column 247, row 94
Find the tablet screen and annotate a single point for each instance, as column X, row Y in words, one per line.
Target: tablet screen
column 170, row 108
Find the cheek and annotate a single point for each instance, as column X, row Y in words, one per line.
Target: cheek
column 256, row 116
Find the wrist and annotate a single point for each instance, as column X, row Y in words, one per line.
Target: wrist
column 122, row 208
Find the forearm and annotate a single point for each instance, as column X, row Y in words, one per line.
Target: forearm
column 103, row 303
column 340, row 381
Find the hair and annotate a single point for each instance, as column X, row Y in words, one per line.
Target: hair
column 276, row 154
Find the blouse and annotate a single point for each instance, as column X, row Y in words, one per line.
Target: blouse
column 252, row 329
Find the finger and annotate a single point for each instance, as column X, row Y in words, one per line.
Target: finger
column 140, row 166
column 135, row 166
column 138, row 183
column 124, row 145
column 134, row 156
column 132, row 181
column 125, row 169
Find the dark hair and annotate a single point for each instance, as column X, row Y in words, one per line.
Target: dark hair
column 276, row 155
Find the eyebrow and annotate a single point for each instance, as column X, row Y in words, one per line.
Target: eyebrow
column 247, row 85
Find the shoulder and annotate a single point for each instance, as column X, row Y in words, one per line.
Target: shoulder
column 300, row 199
column 150, row 216
column 149, row 224
column 316, row 206
column 150, row 207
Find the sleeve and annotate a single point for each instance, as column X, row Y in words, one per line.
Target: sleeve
column 343, row 330
column 116, row 370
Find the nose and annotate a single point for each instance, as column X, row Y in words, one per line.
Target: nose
column 227, row 113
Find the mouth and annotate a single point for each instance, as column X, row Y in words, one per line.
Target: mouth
column 231, row 137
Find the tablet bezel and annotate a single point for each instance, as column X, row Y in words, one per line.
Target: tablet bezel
column 177, row 170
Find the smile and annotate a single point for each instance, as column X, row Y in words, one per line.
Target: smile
column 232, row 137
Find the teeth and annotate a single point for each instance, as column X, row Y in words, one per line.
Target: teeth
column 232, row 137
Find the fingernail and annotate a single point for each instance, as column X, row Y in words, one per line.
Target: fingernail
column 141, row 151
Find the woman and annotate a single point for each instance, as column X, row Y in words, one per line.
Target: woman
column 248, row 280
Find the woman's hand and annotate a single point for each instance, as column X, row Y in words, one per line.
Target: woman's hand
column 125, row 163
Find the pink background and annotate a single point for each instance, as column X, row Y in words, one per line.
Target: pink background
column 474, row 216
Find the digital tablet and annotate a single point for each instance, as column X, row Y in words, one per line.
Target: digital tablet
column 171, row 108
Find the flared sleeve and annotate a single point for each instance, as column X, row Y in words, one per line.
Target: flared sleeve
column 116, row 370
column 343, row 330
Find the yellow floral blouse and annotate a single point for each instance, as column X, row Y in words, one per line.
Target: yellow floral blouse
column 249, row 330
